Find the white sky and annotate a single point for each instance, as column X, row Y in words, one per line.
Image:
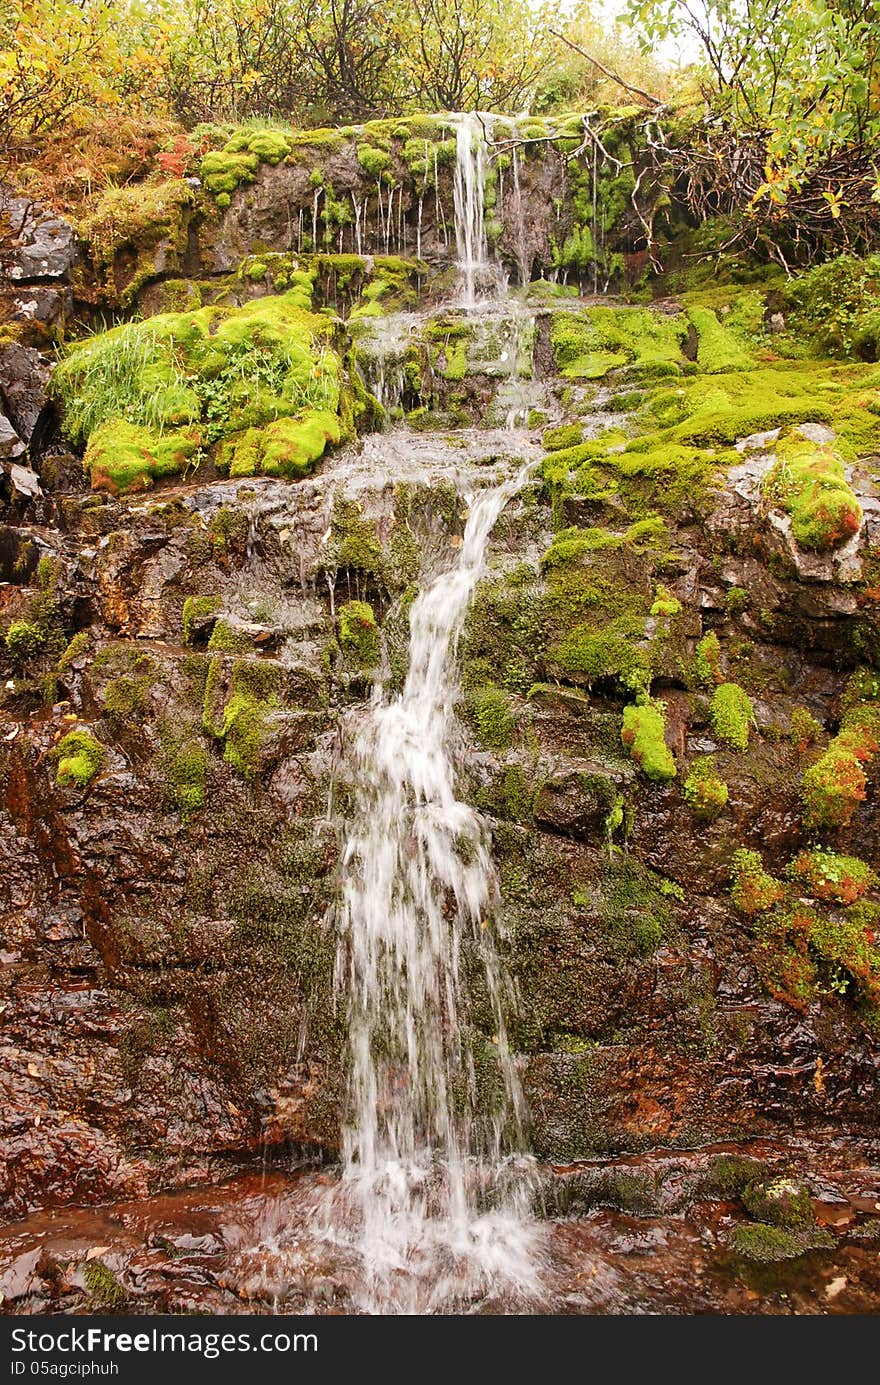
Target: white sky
column 672, row 51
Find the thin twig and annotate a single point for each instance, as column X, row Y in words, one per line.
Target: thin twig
column 613, row 76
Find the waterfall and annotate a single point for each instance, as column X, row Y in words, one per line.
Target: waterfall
column 442, row 1210
column 518, row 209
column 471, row 245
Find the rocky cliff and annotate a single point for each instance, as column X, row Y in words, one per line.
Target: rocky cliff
column 216, row 516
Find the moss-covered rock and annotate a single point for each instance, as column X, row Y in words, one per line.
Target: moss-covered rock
column 769, row 1244
column 644, row 735
column 359, row 634
column 148, row 398
column 732, row 715
column 809, row 483
column 704, row 790
column 79, row 757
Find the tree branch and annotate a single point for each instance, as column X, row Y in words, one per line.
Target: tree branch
column 634, row 91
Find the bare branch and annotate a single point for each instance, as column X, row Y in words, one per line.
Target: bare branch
column 613, row 76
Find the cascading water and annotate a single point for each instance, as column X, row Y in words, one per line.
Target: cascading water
column 433, row 1208
column 472, row 247
column 440, row 1198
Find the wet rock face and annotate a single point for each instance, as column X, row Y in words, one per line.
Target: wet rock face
column 36, row 260
column 178, row 699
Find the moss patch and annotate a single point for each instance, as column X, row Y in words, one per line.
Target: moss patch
column 78, row 757
column 704, row 790
column 644, row 735
column 359, row 633
column 769, row 1244
column 836, row 783
column 587, row 345
column 147, row 397
column 731, row 715
column 753, row 890
column 490, row 714
column 808, row 482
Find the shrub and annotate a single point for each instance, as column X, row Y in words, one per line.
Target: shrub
column 838, row 305
column 24, row 640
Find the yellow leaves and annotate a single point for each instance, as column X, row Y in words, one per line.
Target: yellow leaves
column 835, row 203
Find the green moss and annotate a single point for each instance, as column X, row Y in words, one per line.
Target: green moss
column 353, row 544
column 359, row 633
column 731, row 715
column 122, row 457
column 490, row 714
column 769, row 1244
column 126, row 696
column 287, row 447
column 105, row 1291
column 244, row 725
column 844, row 946
column 568, row 435
column 184, row 771
column 225, row 637
column 728, row 1177
column 570, row 545
column 835, row 785
column 832, row 877
column 633, row 910
column 808, row 482
column 75, row 650
column 194, row 608
column 718, row 349
column 803, row 729
column 223, row 170
column 517, row 795
column 707, row 660
column 589, row 344
column 78, row 757
column 146, row 396
column 779, row 1202
column 372, row 160
column 241, row 720
column 135, row 219
column 24, row 640
column 605, row 651
column 643, row 733
column 704, row 791
column 664, row 603
column 753, row 890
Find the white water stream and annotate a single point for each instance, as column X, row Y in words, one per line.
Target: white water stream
column 442, row 1205
column 434, row 1202
column 471, row 245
